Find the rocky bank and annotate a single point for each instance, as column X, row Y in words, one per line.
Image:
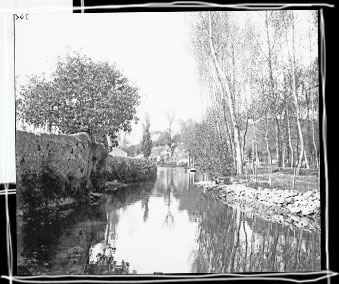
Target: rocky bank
column 288, row 207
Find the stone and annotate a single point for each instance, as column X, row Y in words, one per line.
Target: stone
column 111, row 183
column 297, row 224
column 308, row 194
column 278, row 199
column 288, row 220
column 295, row 218
column 278, row 218
column 293, row 209
column 307, row 211
column 317, row 196
column 291, row 193
column 288, row 200
column 304, row 221
column 95, row 194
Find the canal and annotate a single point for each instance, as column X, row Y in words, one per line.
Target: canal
column 167, row 225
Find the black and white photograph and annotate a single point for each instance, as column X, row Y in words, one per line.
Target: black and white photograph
column 168, row 142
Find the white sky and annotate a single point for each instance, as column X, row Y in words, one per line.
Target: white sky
column 152, row 49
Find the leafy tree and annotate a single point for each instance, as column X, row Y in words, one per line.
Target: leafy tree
column 162, row 139
column 262, row 85
column 81, row 96
column 133, row 150
column 203, row 141
column 146, row 143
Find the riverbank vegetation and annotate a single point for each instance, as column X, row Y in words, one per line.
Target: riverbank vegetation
column 82, row 106
column 261, row 123
column 264, row 94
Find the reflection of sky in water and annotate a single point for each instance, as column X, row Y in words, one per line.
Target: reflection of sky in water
column 168, row 226
column 150, row 246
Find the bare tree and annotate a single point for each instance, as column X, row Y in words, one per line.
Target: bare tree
column 170, row 115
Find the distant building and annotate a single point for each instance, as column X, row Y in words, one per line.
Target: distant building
column 118, row 152
column 139, row 156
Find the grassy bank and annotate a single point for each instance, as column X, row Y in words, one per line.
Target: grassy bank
column 282, row 179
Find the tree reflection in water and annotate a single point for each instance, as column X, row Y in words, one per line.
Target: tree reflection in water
column 232, row 241
column 169, row 219
column 101, row 257
column 217, row 238
column 101, row 261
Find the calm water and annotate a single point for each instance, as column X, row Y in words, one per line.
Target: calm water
column 168, row 225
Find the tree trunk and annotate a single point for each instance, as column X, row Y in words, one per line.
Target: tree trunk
column 255, row 142
column 313, row 133
column 217, row 121
column 269, row 159
column 244, row 138
column 232, row 144
column 296, row 101
column 284, row 155
column 253, row 154
column 278, row 142
column 255, row 148
column 308, row 135
column 228, row 131
column 273, row 94
column 227, row 91
column 316, row 163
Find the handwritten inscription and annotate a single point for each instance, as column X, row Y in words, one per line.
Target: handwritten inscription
column 21, row 16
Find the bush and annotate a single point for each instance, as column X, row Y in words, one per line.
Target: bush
column 129, row 169
column 38, row 190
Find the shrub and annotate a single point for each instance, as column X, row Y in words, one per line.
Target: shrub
column 38, row 190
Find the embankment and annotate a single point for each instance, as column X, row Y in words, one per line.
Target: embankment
column 53, row 168
column 288, row 207
column 129, row 170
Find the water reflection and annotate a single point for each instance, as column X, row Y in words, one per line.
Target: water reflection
column 168, row 226
column 234, row 241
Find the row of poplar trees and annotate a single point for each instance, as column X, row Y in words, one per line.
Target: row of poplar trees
column 260, row 69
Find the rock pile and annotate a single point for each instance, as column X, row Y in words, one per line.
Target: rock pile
column 289, row 207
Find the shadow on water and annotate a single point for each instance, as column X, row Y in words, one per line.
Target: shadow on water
column 167, row 225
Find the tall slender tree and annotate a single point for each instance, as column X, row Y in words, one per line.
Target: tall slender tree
column 146, row 143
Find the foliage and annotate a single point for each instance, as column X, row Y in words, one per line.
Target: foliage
column 41, row 189
column 204, row 142
column 129, row 169
column 133, row 150
column 162, row 139
column 104, row 263
column 263, row 69
column 38, row 190
column 81, row 96
column 146, row 143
